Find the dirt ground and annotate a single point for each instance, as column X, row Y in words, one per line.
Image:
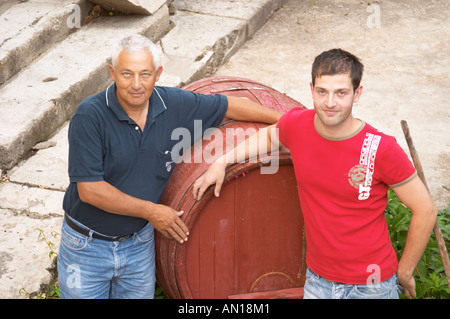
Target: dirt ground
column 406, row 53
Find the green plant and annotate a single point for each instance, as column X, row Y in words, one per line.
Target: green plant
column 54, row 291
column 431, row 282
column 50, row 291
column 159, row 293
column 50, row 244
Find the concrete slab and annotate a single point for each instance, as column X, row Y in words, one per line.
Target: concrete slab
column 33, row 202
column 24, row 254
column 48, row 167
column 254, row 12
column 198, row 44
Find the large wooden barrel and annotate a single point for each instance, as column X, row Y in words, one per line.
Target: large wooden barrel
column 250, row 239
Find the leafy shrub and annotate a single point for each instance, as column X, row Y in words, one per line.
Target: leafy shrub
column 431, row 282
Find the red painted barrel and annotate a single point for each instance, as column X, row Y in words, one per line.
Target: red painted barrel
column 250, row 239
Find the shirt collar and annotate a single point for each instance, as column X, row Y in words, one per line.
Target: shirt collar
column 114, row 105
column 156, row 103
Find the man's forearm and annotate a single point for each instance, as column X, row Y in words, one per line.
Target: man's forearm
column 420, row 229
column 253, row 146
column 416, row 197
column 261, row 142
column 110, row 199
column 242, row 109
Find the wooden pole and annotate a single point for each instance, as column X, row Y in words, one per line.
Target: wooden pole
column 436, row 229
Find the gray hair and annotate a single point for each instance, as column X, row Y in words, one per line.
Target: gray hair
column 134, row 43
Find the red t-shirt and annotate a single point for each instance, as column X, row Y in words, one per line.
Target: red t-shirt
column 342, row 186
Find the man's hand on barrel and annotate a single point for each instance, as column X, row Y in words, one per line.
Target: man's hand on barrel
column 167, row 221
column 215, row 174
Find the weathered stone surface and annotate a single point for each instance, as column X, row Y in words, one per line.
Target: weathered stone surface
column 146, row 7
column 30, row 28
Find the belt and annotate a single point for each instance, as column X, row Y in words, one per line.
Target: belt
column 87, row 232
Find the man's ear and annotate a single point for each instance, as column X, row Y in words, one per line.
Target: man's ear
column 158, row 73
column 112, row 73
column 358, row 93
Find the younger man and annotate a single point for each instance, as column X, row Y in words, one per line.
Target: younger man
column 344, row 168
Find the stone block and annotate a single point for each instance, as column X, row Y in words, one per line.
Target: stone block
column 144, row 7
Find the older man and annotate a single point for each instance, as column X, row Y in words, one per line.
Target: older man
column 119, row 161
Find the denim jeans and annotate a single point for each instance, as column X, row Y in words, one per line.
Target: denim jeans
column 90, row 268
column 317, row 287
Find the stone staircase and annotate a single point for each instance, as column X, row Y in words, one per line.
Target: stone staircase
column 50, row 66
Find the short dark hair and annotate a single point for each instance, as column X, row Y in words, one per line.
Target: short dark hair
column 338, row 61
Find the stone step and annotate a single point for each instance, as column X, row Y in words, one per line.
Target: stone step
column 144, row 7
column 30, row 28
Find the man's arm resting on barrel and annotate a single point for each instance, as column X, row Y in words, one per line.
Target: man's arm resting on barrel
column 249, row 148
column 242, row 109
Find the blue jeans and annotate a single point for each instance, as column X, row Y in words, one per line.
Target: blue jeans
column 91, row 268
column 317, row 287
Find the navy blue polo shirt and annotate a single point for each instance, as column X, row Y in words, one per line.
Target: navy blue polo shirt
column 105, row 144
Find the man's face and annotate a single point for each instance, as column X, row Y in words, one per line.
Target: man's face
column 333, row 98
column 135, row 77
